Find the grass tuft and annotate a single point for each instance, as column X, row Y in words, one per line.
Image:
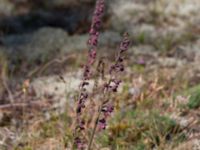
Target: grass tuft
column 194, row 101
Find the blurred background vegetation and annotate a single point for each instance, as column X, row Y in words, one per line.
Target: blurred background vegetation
column 43, row 48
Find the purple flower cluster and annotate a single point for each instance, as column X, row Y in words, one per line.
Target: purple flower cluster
column 92, row 43
column 119, row 66
column 114, row 83
column 102, row 124
column 81, row 102
column 79, row 143
column 94, row 36
column 107, row 110
column 96, row 23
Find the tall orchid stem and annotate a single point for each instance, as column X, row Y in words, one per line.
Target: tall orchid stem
column 95, row 127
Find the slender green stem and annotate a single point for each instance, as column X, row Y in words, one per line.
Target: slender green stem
column 95, row 127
